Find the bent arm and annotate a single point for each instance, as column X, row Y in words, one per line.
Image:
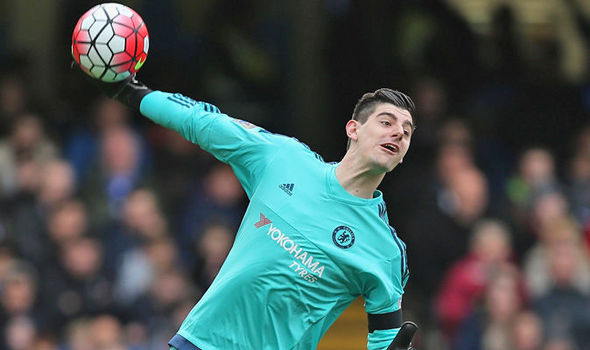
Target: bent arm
column 381, row 339
column 383, row 327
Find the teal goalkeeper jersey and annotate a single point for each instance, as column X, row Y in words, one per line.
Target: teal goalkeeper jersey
column 305, row 249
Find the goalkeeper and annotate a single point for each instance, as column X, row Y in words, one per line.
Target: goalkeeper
column 315, row 235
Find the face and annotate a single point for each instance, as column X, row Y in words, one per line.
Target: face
column 383, row 139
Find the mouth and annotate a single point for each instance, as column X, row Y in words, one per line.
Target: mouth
column 390, row 147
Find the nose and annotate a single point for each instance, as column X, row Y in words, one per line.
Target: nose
column 397, row 131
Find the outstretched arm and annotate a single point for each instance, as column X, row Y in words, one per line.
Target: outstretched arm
column 246, row 147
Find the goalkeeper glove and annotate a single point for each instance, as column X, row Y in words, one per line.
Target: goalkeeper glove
column 403, row 339
column 129, row 91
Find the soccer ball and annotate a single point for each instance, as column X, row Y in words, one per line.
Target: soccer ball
column 110, row 42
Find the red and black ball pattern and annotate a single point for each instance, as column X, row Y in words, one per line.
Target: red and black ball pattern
column 110, row 42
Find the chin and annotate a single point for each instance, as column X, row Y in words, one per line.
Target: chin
column 391, row 167
column 383, row 167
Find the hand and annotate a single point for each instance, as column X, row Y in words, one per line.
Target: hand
column 403, row 339
column 128, row 91
column 109, row 89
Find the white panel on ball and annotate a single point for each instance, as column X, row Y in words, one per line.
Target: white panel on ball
column 117, row 44
column 100, row 14
column 87, row 22
column 95, row 29
column 105, row 35
column 94, row 57
column 125, row 11
column 104, row 52
column 109, row 76
column 97, row 71
column 85, row 61
column 146, row 44
column 111, row 9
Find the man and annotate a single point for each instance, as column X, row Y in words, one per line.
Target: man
column 315, row 235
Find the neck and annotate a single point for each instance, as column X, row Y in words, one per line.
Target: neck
column 357, row 178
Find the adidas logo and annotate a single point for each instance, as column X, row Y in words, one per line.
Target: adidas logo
column 288, row 188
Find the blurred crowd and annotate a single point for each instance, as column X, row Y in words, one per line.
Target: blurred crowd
column 88, row 257
column 111, row 227
column 504, row 270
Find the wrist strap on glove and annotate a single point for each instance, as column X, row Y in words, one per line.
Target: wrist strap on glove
column 129, row 91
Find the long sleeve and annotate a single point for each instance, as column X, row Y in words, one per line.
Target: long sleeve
column 380, row 339
column 244, row 146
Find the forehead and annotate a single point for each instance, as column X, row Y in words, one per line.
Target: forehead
column 387, row 109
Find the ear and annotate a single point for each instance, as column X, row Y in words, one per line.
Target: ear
column 352, row 129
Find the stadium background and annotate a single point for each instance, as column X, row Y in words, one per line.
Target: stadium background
column 111, row 227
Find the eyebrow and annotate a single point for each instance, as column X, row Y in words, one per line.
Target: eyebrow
column 393, row 116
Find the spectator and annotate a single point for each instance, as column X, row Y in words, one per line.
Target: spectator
column 163, row 254
column 27, row 142
column 141, row 221
column 19, row 313
column 19, row 289
column 218, row 198
column 44, row 342
column 444, row 230
column 212, row 248
column 547, row 207
column 490, row 328
column 7, row 259
column 562, row 231
column 106, row 332
column 13, row 100
column 466, row 281
column 20, row 333
column 140, row 265
column 579, row 192
column 117, row 172
column 534, row 177
column 29, row 211
column 158, row 314
column 67, row 221
column 77, row 335
column 527, row 331
column 579, row 180
column 454, row 153
column 82, row 149
column 78, row 286
column 563, row 309
column 57, row 183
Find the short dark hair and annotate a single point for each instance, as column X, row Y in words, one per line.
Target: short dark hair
column 367, row 103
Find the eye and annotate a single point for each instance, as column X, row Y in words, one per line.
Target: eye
column 406, row 132
column 385, row 122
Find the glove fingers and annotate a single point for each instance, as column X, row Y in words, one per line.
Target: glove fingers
column 403, row 339
column 406, row 333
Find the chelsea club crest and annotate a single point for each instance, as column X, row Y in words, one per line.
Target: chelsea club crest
column 343, row 237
